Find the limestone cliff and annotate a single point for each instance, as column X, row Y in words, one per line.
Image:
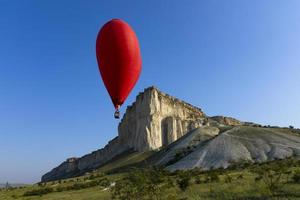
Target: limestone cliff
column 155, row 119
column 192, row 139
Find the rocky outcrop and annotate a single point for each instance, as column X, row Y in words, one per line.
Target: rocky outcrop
column 157, row 119
column 240, row 143
column 227, row 120
column 77, row 166
column 184, row 145
column 184, row 137
column 154, row 120
column 66, row 169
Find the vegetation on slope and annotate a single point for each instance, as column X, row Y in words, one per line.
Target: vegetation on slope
column 127, row 177
column 273, row 180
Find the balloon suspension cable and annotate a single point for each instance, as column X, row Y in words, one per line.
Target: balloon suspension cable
column 117, row 113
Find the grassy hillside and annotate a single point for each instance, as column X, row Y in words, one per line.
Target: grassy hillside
column 125, row 161
column 129, row 177
column 241, row 181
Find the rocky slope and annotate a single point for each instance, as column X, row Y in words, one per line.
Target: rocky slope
column 154, row 120
column 186, row 136
column 240, row 143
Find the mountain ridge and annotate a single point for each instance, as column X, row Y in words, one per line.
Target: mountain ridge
column 154, row 121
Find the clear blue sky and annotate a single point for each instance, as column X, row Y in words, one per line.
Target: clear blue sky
column 234, row 58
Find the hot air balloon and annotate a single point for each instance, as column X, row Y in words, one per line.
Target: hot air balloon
column 119, row 60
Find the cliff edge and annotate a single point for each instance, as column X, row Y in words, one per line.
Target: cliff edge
column 154, row 120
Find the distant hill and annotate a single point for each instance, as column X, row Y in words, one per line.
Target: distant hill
column 181, row 136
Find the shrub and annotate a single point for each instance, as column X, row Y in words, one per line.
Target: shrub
column 228, row 179
column 240, row 176
column 171, row 197
column 271, row 175
column 146, row 184
column 183, row 180
column 212, row 176
column 104, row 182
column 296, row 177
column 59, row 189
column 39, row 192
column 198, row 180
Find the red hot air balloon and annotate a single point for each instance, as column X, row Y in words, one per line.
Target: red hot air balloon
column 119, row 60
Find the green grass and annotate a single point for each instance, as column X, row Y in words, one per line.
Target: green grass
column 229, row 186
column 242, row 184
column 94, row 193
column 125, row 161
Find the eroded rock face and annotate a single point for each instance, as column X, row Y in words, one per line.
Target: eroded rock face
column 241, row 143
column 155, row 119
column 185, row 145
column 75, row 166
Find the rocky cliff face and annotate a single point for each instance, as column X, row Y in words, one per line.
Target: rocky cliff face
column 155, row 119
column 76, row 166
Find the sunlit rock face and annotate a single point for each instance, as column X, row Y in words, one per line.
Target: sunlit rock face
column 238, row 144
column 154, row 120
column 157, row 119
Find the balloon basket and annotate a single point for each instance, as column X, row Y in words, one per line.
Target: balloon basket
column 117, row 114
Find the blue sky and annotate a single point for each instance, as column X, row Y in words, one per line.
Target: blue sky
column 233, row 58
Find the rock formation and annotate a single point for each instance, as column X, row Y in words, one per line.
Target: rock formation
column 157, row 119
column 184, row 138
column 227, row 120
column 154, row 120
column 240, row 143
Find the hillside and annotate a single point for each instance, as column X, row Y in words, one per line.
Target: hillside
column 181, row 136
column 240, row 144
column 241, row 182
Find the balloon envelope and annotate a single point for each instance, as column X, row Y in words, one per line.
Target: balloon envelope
column 119, row 59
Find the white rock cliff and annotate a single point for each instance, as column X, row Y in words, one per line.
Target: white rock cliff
column 155, row 119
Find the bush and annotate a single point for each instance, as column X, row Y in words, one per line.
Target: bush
column 228, row 179
column 240, row 176
column 198, row 180
column 59, row 189
column 212, row 176
column 296, row 177
column 271, row 175
column 39, row 192
column 146, row 184
column 104, row 182
column 183, row 180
